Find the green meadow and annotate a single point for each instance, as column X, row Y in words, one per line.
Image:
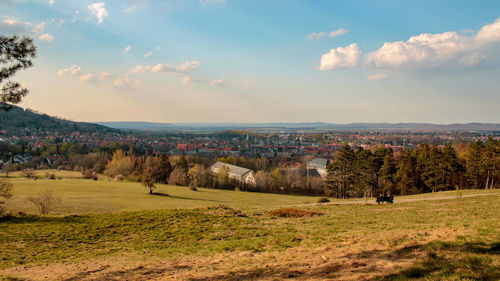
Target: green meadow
column 107, row 221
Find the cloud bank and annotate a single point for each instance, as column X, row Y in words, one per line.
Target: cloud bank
column 424, row 51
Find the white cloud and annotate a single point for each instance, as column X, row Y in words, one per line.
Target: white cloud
column 148, row 54
column 316, row 35
column 337, row 32
column 126, row 82
column 39, row 28
column 186, row 67
column 72, row 70
column 319, row 35
column 186, row 81
column 46, row 37
column 418, row 51
column 87, row 77
column 51, row 2
column 489, row 33
column 133, row 5
column 98, row 10
column 217, row 83
column 140, row 69
column 13, row 26
column 342, row 57
column 127, row 49
column 106, row 76
column 111, row 80
column 377, row 77
column 248, row 84
column 471, row 59
column 436, row 50
column 61, row 22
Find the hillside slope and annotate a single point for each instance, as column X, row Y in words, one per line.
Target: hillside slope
column 18, row 119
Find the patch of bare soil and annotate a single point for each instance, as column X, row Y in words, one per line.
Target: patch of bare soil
column 354, row 258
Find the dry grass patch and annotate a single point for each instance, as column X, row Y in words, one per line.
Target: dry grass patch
column 323, row 200
column 293, row 213
column 222, row 210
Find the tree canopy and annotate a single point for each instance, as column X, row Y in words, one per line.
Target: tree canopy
column 15, row 54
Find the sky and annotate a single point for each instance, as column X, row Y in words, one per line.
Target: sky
column 261, row 61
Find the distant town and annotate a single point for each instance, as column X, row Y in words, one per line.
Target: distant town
column 234, row 142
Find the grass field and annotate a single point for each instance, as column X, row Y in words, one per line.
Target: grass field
column 431, row 240
column 79, row 196
column 82, row 196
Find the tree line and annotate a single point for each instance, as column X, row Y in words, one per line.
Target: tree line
column 355, row 172
column 426, row 168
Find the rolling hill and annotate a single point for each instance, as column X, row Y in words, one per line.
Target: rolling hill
column 157, row 126
column 18, row 119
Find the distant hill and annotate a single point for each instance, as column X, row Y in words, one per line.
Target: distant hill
column 18, row 119
column 155, row 126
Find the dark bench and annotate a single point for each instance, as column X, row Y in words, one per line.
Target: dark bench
column 382, row 199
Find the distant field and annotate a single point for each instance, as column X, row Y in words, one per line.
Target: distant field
column 42, row 174
column 80, row 196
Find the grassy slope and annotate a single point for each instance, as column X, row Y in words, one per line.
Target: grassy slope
column 464, row 236
column 80, row 196
column 462, row 233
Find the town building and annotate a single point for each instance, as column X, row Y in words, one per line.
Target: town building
column 320, row 165
column 238, row 173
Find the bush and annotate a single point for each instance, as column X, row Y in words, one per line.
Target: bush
column 50, row 176
column 293, row 213
column 193, row 188
column 45, row 202
column 5, row 192
column 29, row 173
column 119, row 178
column 323, row 200
column 89, row 174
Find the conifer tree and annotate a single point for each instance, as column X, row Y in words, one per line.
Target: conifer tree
column 15, row 54
column 474, row 167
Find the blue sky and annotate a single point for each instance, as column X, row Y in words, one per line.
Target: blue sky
column 261, row 61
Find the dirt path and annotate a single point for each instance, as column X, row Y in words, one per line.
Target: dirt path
column 396, row 200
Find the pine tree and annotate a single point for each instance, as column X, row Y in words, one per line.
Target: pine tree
column 15, row 54
column 386, row 176
column 474, row 168
column 491, row 162
column 365, row 173
column 407, row 178
column 340, row 178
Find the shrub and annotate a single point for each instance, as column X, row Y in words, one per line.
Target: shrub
column 89, row 174
column 5, row 192
column 293, row 213
column 29, row 173
column 193, row 188
column 50, row 176
column 119, row 178
column 323, row 200
column 45, row 202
